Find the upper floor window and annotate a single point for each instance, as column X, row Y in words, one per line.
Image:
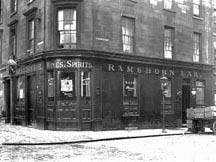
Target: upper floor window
column 196, row 7
column 1, row 37
column 168, row 42
column 196, row 47
column 1, row 10
column 13, row 41
column 29, row 1
column 31, row 36
column 13, row 6
column 67, row 28
column 168, row 4
column 214, row 16
column 128, row 34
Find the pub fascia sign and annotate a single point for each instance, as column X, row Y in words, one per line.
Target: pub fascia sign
column 59, row 64
column 152, row 71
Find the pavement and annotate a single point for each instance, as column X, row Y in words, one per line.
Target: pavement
column 21, row 135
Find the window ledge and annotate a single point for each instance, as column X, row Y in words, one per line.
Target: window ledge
column 169, row 10
column 13, row 13
column 28, row 3
column 198, row 18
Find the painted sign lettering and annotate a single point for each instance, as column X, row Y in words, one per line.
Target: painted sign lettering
column 58, row 64
column 153, row 71
column 29, row 68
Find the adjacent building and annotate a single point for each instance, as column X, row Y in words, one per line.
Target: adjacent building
column 96, row 65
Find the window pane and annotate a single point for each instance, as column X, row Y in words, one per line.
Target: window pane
column 200, row 93
column 85, row 84
column 167, row 4
column 51, row 86
column 168, row 43
column 67, row 28
column 196, row 47
column 20, row 89
column 67, row 85
column 130, row 86
column 127, row 34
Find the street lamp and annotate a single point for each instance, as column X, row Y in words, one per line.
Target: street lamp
column 164, row 91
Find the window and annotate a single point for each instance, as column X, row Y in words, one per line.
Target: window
column 31, row 36
column 200, row 93
column 67, row 28
column 67, row 85
column 1, row 10
column 168, row 42
column 196, row 7
column 1, row 37
column 196, row 47
column 85, row 84
column 51, row 86
column 169, row 89
column 168, row 4
column 13, row 41
column 128, row 34
column 214, row 16
column 30, row 1
column 20, row 89
column 13, row 6
column 130, row 86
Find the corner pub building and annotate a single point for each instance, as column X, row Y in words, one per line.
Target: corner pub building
column 96, row 65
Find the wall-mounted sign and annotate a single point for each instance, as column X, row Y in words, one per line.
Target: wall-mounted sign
column 152, row 70
column 29, row 68
column 59, row 63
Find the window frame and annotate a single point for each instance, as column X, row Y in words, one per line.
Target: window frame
column 169, row 39
column 195, row 44
column 166, row 3
column 13, row 41
column 135, row 80
column 58, row 31
column 129, row 21
column 89, row 84
column 203, row 88
column 196, row 6
column 13, row 6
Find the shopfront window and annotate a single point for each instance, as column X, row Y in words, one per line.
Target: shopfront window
column 130, row 86
column 200, row 93
column 85, row 84
column 51, row 85
column 67, row 85
column 20, row 89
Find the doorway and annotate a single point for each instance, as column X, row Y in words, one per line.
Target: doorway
column 185, row 102
column 31, row 99
column 8, row 101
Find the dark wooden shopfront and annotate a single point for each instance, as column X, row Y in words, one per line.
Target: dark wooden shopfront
column 89, row 94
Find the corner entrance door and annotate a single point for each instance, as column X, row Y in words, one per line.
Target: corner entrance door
column 31, row 99
column 185, row 102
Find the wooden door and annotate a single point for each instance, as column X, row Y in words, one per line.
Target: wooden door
column 185, row 102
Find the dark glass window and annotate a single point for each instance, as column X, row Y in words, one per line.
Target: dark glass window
column 67, row 28
column 130, row 86
column 51, row 86
column 20, row 89
column 85, row 84
column 31, row 36
column 13, row 6
column 200, row 96
column 67, row 85
column 13, row 41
